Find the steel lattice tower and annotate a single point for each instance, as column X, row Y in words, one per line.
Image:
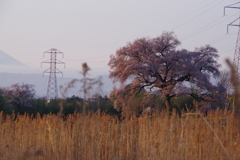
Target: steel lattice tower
column 236, row 58
column 52, row 89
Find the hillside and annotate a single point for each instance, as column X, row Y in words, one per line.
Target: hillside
column 41, row 83
column 7, row 60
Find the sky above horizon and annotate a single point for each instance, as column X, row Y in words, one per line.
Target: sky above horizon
column 90, row 31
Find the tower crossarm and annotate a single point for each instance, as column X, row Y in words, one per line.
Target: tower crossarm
column 231, row 6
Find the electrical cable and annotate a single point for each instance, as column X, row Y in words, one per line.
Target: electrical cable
column 184, row 38
column 200, row 30
column 197, row 15
column 99, row 46
column 227, row 51
column 216, row 41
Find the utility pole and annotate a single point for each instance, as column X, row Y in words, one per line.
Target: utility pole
column 52, row 89
column 236, row 59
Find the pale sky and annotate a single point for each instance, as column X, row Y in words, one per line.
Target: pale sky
column 90, row 31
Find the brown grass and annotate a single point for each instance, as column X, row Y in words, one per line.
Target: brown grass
column 104, row 137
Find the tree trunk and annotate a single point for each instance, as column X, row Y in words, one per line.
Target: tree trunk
column 167, row 103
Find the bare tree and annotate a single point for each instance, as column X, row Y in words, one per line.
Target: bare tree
column 20, row 95
column 87, row 84
column 157, row 65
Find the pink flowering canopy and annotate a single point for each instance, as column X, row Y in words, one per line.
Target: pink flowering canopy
column 157, row 65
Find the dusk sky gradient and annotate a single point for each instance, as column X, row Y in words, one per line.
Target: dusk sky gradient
column 90, row 31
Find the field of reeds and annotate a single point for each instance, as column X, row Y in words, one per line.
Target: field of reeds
column 96, row 136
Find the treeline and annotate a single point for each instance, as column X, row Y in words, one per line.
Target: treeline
column 76, row 104
column 66, row 106
column 21, row 99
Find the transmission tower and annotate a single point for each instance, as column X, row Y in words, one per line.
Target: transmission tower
column 236, row 59
column 52, row 90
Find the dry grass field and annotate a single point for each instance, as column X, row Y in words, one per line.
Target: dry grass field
column 94, row 137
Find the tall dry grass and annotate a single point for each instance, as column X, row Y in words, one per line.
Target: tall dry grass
column 95, row 137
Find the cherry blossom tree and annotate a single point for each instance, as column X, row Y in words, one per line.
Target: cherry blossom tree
column 20, row 95
column 156, row 65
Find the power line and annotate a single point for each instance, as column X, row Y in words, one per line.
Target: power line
column 106, row 44
column 202, row 29
column 86, row 58
column 227, row 51
column 221, row 38
column 196, row 10
column 197, row 15
column 188, row 36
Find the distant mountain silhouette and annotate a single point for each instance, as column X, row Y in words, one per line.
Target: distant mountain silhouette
column 7, row 60
column 41, row 83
